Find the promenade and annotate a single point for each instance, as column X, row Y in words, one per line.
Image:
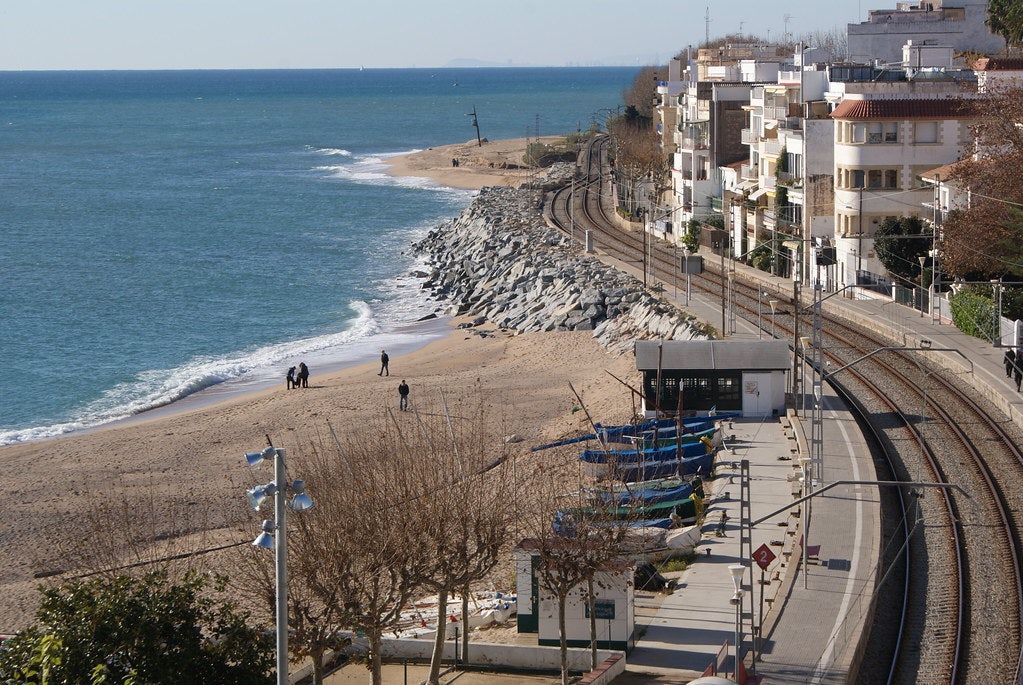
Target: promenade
column 813, row 618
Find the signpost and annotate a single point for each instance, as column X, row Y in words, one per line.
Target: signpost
column 763, row 556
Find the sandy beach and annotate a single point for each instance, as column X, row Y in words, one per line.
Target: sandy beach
column 494, row 163
column 190, row 463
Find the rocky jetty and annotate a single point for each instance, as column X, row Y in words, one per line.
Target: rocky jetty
column 499, row 262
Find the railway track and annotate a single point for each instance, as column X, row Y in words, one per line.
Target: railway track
column 949, row 602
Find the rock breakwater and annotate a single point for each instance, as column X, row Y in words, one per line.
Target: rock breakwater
column 501, row 263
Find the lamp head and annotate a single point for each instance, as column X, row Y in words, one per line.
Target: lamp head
column 265, row 539
column 257, row 494
column 301, row 501
column 254, row 458
column 737, row 571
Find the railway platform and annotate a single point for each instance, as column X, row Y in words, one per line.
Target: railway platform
column 815, row 612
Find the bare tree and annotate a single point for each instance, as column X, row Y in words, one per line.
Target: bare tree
column 641, row 94
column 464, row 514
column 574, row 539
column 985, row 239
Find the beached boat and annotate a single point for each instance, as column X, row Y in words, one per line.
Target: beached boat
column 621, row 433
column 653, row 544
column 631, row 456
column 646, row 470
column 649, row 491
column 645, row 464
column 666, row 437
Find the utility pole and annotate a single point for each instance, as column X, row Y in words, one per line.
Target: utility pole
column 476, row 125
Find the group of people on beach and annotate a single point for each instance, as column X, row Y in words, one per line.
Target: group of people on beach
column 1014, row 366
column 298, row 378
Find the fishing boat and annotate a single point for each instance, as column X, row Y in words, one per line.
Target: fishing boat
column 666, row 437
column 620, row 433
column 649, row 492
column 645, row 470
column 645, row 464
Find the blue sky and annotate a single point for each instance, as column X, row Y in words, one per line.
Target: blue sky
column 215, row 34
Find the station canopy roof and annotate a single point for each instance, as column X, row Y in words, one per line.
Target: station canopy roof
column 707, row 355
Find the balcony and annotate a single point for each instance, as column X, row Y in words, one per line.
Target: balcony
column 749, row 137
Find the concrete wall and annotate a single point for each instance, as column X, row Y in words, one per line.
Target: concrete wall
column 522, row 657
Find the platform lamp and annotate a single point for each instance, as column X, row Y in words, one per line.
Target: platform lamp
column 736, row 571
column 805, row 463
column 274, row 536
column 774, row 311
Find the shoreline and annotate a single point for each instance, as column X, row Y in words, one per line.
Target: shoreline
column 189, row 453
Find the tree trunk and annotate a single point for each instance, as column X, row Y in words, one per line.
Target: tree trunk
column 564, row 639
column 316, row 654
column 376, row 672
column 438, row 643
column 465, row 624
column 591, row 603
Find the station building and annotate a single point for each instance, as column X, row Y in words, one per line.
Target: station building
column 746, row 376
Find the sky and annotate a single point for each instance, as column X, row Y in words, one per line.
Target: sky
column 292, row 34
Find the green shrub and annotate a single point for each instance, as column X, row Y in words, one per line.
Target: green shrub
column 973, row 314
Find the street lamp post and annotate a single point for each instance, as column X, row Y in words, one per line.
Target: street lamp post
column 274, row 536
column 804, row 465
column 996, row 300
column 685, row 253
column 774, row 306
column 736, row 571
column 923, row 260
column 731, row 301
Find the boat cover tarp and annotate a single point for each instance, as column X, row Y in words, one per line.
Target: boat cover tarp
column 651, row 492
column 703, row 446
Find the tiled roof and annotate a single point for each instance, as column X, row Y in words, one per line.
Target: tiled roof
column 999, row 64
column 948, row 108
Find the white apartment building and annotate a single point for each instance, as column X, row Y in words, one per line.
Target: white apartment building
column 716, row 88
column 784, row 197
column 888, row 133
column 959, row 24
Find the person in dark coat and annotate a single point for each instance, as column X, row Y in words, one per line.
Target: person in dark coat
column 1018, row 370
column 291, row 378
column 403, row 396
column 384, row 360
column 1009, row 361
column 303, row 375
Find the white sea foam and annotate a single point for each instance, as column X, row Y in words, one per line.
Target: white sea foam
column 332, row 151
column 245, row 371
column 371, row 169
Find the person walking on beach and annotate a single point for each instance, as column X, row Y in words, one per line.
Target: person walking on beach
column 403, row 396
column 303, row 374
column 291, row 378
column 1009, row 361
column 384, row 359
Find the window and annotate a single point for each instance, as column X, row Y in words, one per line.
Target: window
column 874, row 177
column 883, row 132
column 859, row 133
column 891, row 178
column 926, row 132
column 858, row 178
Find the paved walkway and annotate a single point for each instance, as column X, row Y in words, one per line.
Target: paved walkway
column 814, row 619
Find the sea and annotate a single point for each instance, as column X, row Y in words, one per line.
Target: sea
column 170, row 238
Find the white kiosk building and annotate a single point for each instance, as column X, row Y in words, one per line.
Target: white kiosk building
column 746, row 376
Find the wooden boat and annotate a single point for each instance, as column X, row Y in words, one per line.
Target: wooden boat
column 645, row 470
column 673, row 451
column 649, row 492
column 614, row 434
